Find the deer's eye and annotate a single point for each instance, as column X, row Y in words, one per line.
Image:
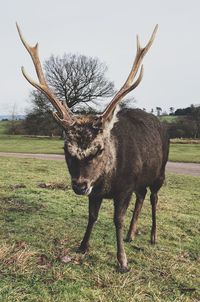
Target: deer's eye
column 99, row 152
column 92, row 156
column 89, row 158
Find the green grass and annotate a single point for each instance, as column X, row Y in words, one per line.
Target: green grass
column 40, row 225
column 185, row 153
column 168, row 118
column 22, row 144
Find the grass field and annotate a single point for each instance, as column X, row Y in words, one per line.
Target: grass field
column 40, row 224
column 16, row 143
column 22, row 144
column 169, row 118
column 185, row 153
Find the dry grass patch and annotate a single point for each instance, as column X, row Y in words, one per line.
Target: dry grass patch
column 18, row 256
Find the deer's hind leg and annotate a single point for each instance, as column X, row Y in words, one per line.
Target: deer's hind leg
column 140, row 196
column 120, row 206
column 154, row 200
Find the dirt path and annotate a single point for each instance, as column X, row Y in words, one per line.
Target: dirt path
column 174, row 167
column 184, row 168
column 30, row 155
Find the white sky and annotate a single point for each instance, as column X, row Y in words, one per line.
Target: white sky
column 106, row 29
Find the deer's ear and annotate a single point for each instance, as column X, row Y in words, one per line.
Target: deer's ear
column 111, row 119
column 102, row 124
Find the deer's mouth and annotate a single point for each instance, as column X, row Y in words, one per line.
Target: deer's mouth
column 82, row 189
column 89, row 190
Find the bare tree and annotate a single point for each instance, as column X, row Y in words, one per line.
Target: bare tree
column 158, row 109
column 171, row 110
column 12, row 126
column 77, row 79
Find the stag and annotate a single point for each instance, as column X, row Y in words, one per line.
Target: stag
column 113, row 154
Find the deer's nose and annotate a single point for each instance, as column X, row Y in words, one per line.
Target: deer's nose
column 79, row 187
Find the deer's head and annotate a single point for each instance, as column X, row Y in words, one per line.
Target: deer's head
column 89, row 150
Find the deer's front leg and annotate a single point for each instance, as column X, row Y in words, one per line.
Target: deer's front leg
column 94, row 206
column 119, row 215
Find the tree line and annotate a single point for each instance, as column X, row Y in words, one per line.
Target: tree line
column 80, row 82
column 186, row 124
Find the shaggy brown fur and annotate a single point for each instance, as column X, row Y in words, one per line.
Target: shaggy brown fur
column 127, row 154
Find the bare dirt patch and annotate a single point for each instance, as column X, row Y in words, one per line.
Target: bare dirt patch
column 53, row 186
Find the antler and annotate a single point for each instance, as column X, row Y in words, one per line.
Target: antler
column 63, row 115
column 129, row 85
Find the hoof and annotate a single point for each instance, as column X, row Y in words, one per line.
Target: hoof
column 153, row 241
column 153, row 238
column 82, row 249
column 128, row 239
column 122, row 269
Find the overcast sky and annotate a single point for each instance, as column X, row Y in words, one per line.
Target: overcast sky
column 106, row 29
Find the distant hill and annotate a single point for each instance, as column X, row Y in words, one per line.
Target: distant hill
column 9, row 117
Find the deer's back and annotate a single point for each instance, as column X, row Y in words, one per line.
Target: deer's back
column 142, row 148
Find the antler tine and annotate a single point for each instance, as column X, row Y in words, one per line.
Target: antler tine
column 129, row 84
column 62, row 115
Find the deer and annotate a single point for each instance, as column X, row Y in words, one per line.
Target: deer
column 113, row 154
